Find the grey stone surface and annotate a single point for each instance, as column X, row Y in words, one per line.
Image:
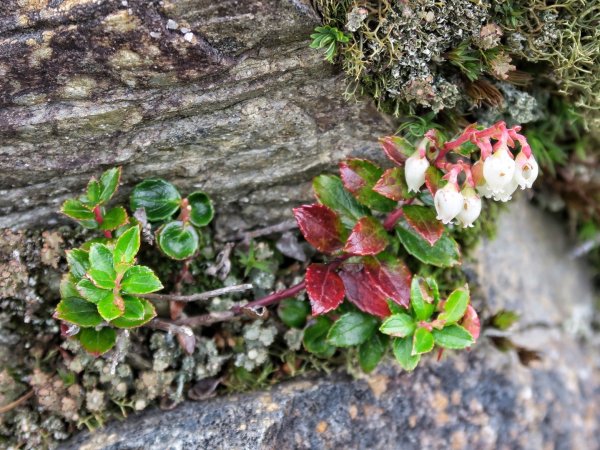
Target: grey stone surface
column 481, row 399
column 241, row 108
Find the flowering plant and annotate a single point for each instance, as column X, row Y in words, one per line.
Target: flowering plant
column 370, row 222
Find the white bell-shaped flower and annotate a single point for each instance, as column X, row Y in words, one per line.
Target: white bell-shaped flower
column 506, row 194
column 471, row 208
column 414, row 171
column 498, row 170
column 526, row 170
column 448, row 202
column 485, row 191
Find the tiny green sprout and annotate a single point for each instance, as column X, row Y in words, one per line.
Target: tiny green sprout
column 329, row 38
column 102, row 290
column 179, row 238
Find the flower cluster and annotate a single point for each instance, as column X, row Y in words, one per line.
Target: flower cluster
column 497, row 172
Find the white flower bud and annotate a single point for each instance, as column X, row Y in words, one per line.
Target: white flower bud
column 498, row 170
column 526, row 170
column 471, row 208
column 414, row 171
column 448, row 202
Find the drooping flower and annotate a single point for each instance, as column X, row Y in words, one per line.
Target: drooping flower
column 498, row 170
column 506, row 193
column 414, row 171
column 448, row 202
column 471, row 208
column 526, row 170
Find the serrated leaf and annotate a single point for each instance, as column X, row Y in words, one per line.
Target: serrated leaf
column 111, row 306
column 78, row 311
column 368, row 237
column 178, row 240
column 391, row 276
column 433, row 179
column 392, row 184
column 371, row 351
column 330, row 192
column 293, row 312
column 471, row 323
column 114, row 218
column 421, row 301
column 455, row 306
column 202, row 209
column 352, row 328
column 359, row 291
column 402, row 348
column 424, row 222
column 159, row 198
column 109, row 181
column 444, row 253
column 324, row 287
column 359, row 176
column 321, row 227
column 90, row 291
column 78, row 261
column 423, row 341
column 127, row 246
column 97, row 342
column 101, row 269
column 125, row 322
column 77, row 210
column 134, row 309
column 140, row 280
column 315, row 338
column 68, row 286
column 398, row 325
column 93, row 192
column 453, row 337
column 396, row 148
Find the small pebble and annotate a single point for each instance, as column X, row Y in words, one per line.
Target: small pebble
column 172, row 25
column 189, row 37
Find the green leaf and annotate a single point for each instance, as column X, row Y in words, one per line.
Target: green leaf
column 504, row 319
column 97, row 342
column 159, row 198
column 455, row 306
column 178, row 240
column 453, row 337
column 93, row 192
column 422, row 341
column 402, row 348
column 114, row 218
column 90, row 291
column 293, row 312
column 134, row 309
column 420, row 300
column 68, row 286
column 126, row 320
column 423, row 220
column 444, row 253
column 202, row 209
column 78, row 261
column 77, row 210
column 109, row 181
column 359, row 176
column 110, row 307
column 140, row 280
column 399, row 325
column 352, row 328
column 315, row 338
column 127, row 246
column 101, row 269
column 331, row 193
column 371, row 351
column 78, row 311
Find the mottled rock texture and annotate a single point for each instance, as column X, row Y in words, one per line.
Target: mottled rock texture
column 482, row 399
column 223, row 96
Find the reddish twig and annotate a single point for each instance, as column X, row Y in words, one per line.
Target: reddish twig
column 99, row 220
column 17, row 402
column 272, row 298
column 198, row 297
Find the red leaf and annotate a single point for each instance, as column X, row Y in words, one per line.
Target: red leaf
column 471, row 322
column 351, row 177
column 396, row 148
column 368, row 237
column 391, row 277
column 424, row 222
column 321, row 227
column 359, row 177
column 359, row 290
column 324, row 287
column 433, row 178
column 392, row 184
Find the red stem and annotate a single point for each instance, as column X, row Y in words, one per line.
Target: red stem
column 273, row 298
column 392, row 218
column 99, row 220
